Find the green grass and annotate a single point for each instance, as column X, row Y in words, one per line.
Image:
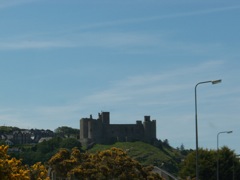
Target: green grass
column 166, row 157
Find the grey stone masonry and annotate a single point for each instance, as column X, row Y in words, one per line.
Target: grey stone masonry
column 100, row 130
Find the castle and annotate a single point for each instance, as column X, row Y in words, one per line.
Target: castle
column 102, row 132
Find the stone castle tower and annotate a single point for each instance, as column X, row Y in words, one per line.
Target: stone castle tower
column 102, row 132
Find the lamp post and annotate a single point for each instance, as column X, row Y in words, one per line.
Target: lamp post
column 228, row 132
column 196, row 124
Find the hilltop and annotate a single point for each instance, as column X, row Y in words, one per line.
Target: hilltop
column 161, row 155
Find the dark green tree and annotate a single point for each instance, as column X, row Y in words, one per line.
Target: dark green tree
column 229, row 166
column 65, row 131
column 70, row 143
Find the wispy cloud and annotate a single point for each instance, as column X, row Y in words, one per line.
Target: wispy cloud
column 159, row 92
column 95, row 39
column 121, row 22
column 127, row 42
column 139, row 42
column 7, row 4
column 113, row 39
column 148, row 86
column 194, row 13
column 20, row 45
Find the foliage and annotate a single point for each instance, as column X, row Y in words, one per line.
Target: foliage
column 229, row 165
column 208, row 164
column 12, row 168
column 164, row 157
column 166, row 143
column 8, row 129
column 65, row 131
column 113, row 163
column 38, row 171
column 2, row 142
column 70, row 143
column 43, row 151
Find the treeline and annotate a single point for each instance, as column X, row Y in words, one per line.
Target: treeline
column 12, row 168
column 229, row 165
column 180, row 162
column 74, row 164
column 42, row 152
column 63, row 131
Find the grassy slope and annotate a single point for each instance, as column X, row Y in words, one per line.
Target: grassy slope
column 166, row 157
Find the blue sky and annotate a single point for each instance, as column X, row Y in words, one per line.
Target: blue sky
column 64, row 60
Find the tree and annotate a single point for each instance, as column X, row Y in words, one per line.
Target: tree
column 208, row 164
column 182, row 148
column 229, row 165
column 109, row 164
column 38, row 171
column 12, row 168
column 166, row 143
column 65, row 131
column 184, row 151
column 43, row 151
column 70, row 143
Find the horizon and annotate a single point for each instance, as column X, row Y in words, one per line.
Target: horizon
column 64, row 60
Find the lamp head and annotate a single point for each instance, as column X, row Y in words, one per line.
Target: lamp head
column 216, row 81
column 229, row 132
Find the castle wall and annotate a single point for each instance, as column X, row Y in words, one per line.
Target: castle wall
column 105, row 117
column 95, row 130
column 91, row 130
column 149, row 130
column 124, row 132
column 84, row 128
column 101, row 131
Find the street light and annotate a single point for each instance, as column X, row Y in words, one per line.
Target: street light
column 196, row 126
column 228, row 132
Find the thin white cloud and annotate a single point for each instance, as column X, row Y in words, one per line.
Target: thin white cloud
column 156, row 18
column 117, row 39
column 136, row 88
column 6, row 3
column 144, row 80
column 130, row 96
column 127, row 42
column 139, row 90
column 20, row 45
column 113, row 39
column 82, row 40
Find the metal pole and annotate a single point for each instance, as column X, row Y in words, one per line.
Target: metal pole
column 196, row 129
column 217, row 158
column 196, row 123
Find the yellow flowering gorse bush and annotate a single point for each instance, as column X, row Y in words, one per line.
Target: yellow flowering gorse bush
column 12, row 168
column 109, row 164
